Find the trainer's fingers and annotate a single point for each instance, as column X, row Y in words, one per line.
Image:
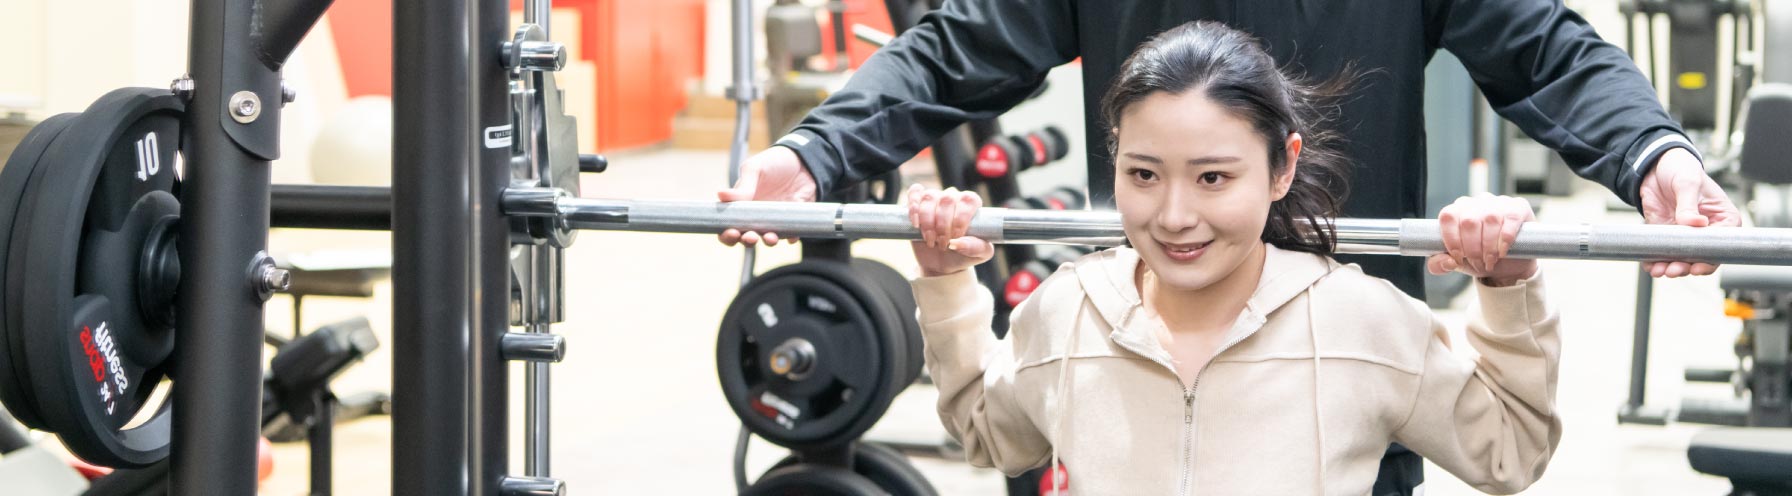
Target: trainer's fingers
column 749, row 237
column 771, row 239
column 730, row 237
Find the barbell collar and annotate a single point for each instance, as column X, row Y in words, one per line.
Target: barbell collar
column 532, row 347
column 531, row 486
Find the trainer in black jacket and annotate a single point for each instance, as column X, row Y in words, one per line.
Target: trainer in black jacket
column 1537, row 62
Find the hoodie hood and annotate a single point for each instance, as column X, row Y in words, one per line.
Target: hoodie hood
column 1107, row 280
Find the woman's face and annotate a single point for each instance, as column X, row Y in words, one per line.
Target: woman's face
column 1193, row 186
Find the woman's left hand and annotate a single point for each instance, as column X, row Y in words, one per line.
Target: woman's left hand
column 1478, row 232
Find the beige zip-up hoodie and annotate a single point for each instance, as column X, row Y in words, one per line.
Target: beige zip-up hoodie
column 1325, row 367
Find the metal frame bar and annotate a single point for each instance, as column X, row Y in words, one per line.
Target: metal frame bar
column 433, row 171
column 488, row 394
column 228, row 149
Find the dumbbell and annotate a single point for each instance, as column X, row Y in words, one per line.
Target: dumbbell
column 1065, row 198
column 1062, row 198
column 1047, row 144
column 1024, row 279
column 1014, row 153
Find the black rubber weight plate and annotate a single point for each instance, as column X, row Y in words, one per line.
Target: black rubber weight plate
column 15, row 388
column 811, row 480
column 858, row 343
column 886, row 467
column 94, row 363
column 902, row 298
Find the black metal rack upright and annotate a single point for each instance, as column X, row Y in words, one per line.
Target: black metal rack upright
column 231, row 134
column 450, row 248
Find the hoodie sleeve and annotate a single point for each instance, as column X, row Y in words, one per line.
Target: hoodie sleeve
column 1491, row 421
column 974, row 372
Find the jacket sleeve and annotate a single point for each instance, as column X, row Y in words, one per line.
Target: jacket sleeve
column 975, row 375
column 1491, row 421
column 1542, row 67
column 971, row 59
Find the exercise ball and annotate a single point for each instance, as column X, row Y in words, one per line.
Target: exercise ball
column 354, row 147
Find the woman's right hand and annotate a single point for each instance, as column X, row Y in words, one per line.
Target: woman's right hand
column 944, row 218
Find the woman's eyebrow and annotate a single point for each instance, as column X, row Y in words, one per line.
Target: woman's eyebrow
column 1199, row 161
column 1142, row 157
column 1212, row 160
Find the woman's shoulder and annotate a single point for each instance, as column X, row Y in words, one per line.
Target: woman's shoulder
column 1093, row 282
column 1348, row 295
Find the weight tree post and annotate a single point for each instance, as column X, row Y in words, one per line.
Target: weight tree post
column 232, row 133
column 489, row 393
column 433, row 172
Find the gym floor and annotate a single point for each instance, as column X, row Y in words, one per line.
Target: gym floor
column 637, row 409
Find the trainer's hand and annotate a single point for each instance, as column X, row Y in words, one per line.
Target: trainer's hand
column 944, row 218
column 1679, row 192
column 1478, row 232
column 775, row 174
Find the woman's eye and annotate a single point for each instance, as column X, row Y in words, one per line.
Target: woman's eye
column 1212, row 178
column 1144, row 175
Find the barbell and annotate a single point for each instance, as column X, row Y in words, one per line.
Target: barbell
column 1409, row 237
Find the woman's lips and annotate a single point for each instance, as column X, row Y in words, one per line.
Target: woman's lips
column 1183, row 252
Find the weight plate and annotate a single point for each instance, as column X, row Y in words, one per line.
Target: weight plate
column 1057, row 145
column 902, row 298
column 95, row 355
column 15, row 391
column 812, row 480
column 848, row 345
column 886, row 467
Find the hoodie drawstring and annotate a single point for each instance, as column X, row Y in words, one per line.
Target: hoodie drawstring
column 1318, row 416
column 1063, row 406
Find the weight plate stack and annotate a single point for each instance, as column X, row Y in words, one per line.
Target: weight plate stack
column 902, row 298
column 89, row 272
column 810, row 354
column 15, row 388
column 813, row 480
column 886, row 467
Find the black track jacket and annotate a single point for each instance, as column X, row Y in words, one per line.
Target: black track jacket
column 1538, row 63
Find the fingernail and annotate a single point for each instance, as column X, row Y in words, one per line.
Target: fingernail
column 952, row 246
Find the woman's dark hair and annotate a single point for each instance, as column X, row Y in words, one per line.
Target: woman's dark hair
column 1232, row 70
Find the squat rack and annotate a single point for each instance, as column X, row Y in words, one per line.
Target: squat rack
column 450, row 241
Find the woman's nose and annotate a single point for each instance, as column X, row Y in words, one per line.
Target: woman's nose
column 1179, row 212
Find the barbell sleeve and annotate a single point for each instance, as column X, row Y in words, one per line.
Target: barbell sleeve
column 1410, row 237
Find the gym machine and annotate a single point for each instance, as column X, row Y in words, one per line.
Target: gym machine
column 484, row 167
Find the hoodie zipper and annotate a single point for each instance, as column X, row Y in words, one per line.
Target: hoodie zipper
column 1188, row 432
column 1188, row 413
